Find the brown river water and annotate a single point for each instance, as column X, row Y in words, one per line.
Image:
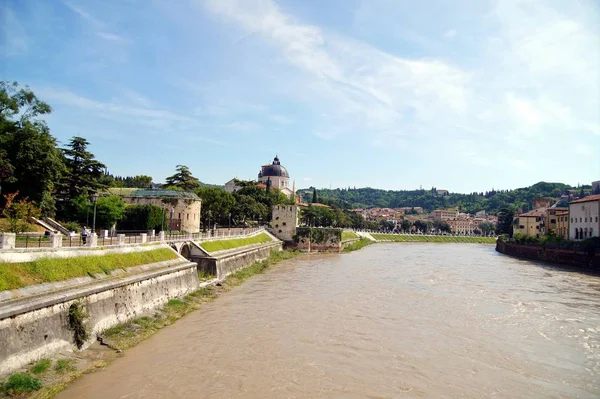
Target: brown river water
column 389, row 321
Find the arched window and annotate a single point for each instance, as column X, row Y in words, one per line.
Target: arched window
column 591, row 232
column 585, row 233
column 580, row 233
column 576, row 234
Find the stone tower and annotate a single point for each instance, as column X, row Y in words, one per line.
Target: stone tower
column 284, row 221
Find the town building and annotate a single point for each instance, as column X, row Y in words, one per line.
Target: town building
column 445, row 214
column 284, row 221
column 273, row 174
column 232, row 185
column 551, row 220
column 182, row 208
column 530, row 223
column 562, row 224
column 277, row 175
column 584, row 217
column 596, row 187
column 462, row 226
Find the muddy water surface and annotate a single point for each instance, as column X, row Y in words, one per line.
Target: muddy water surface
column 389, row 321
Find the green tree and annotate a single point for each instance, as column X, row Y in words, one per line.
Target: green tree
column 183, row 179
column 143, row 217
column 18, row 212
column 486, row 227
column 315, row 198
column 405, row 225
column 84, row 172
column 216, row 201
column 109, row 210
column 505, row 222
column 30, row 163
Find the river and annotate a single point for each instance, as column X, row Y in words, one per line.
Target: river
column 412, row 320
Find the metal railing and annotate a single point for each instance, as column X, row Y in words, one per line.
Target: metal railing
column 44, row 241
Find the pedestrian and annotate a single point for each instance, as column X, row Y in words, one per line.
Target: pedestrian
column 84, row 234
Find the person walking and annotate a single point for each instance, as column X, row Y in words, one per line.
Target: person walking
column 84, row 234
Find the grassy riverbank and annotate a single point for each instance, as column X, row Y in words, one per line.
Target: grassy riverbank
column 348, row 235
column 48, row 377
column 427, row 238
column 47, row 270
column 220, row 245
column 356, row 245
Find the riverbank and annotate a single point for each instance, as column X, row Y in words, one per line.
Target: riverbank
column 571, row 257
column 432, row 238
column 47, row 377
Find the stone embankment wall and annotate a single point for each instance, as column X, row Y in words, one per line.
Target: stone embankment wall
column 567, row 257
column 310, row 239
column 37, row 327
column 223, row 263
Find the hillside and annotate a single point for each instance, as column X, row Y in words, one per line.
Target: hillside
column 429, row 200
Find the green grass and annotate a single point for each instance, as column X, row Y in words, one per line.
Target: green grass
column 427, row 238
column 64, row 366
column 19, row 383
column 220, row 245
column 42, row 366
column 356, row 245
column 348, row 235
column 44, row 270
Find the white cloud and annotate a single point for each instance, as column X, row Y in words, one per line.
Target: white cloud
column 244, row 126
column 450, row 33
column 363, row 86
column 113, row 37
column 532, row 75
column 307, row 179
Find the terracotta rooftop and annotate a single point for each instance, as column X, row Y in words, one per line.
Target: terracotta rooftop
column 534, row 213
column 589, row 198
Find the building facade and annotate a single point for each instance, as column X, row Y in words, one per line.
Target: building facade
column 584, row 218
column 284, row 221
column 445, row 214
column 562, row 224
column 182, row 208
column 551, row 219
column 462, row 226
column 276, row 173
column 530, row 223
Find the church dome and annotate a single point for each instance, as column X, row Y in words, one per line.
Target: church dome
column 275, row 169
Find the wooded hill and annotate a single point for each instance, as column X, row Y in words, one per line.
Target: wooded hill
column 490, row 201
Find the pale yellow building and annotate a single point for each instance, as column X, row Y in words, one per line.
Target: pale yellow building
column 445, row 214
column 562, row 224
column 182, row 208
column 551, row 219
column 462, row 226
column 530, row 223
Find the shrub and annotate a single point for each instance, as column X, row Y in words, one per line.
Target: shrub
column 77, row 316
column 21, row 382
column 142, row 217
column 41, row 367
column 72, row 226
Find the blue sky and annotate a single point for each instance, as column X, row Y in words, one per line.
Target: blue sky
column 462, row 95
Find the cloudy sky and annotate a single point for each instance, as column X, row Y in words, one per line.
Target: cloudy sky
column 464, row 95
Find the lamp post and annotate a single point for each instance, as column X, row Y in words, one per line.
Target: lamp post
column 95, row 198
column 171, row 220
column 209, row 214
column 229, row 220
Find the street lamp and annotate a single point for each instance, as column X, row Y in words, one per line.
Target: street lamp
column 95, row 199
column 229, row 220
column 209, row 214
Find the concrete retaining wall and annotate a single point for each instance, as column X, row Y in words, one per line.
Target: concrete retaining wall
column 221, row 264
column 39, row 327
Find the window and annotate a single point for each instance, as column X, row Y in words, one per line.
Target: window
column 283, row 224
column 552, row 220
column 586, row 220
column 188, row 216
column 591, row 232
column 571, row 220
column 596, row 218
column 580, row 220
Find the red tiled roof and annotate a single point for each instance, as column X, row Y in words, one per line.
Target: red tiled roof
column 589, row 198
column 534, row 213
